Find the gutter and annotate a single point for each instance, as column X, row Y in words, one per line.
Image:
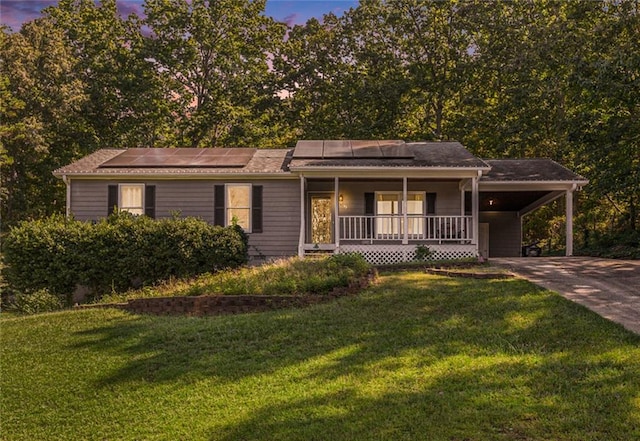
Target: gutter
column 161, row 176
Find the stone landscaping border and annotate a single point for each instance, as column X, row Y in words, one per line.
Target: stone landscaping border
column 233, row 304
column 468, row 275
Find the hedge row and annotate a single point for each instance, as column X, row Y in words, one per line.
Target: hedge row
column 115, row 254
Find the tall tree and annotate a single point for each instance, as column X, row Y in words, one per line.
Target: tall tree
column 128, row 106
column 40, row 93
column 215, row 56
column 606, row 117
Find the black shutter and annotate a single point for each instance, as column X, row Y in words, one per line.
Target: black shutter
column 150, row 201
column 431, row 203
column 256, row 209
column 369, row 210
column 112, row 199
column 218, row 205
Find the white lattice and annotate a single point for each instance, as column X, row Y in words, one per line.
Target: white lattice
column 389, row 254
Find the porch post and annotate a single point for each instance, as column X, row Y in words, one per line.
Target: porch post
column 475, row 208
column 336, row 210
column 405, row 215
column 301, row 240
column 569, row 223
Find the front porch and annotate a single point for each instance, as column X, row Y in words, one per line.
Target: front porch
column 387, row 219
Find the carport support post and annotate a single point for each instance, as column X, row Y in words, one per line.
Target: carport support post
column 336, row 209
column 569, row 222
column 475, row 209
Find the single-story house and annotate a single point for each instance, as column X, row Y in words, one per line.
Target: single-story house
column 378, row 198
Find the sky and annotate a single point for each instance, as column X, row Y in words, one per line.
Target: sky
column 15, row 12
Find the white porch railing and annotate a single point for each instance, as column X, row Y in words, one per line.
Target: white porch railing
column 391, row 227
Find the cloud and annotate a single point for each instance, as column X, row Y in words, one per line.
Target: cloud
column 15, row 12
column 126, row 8
column 292, row 19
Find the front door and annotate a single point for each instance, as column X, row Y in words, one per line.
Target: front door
column 321, row 211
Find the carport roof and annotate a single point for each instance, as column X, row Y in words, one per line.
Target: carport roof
column 539, row 170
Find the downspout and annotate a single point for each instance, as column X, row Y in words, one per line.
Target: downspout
column 303, row 227
column 67, row 183
column 475, row 209
column 569, row 221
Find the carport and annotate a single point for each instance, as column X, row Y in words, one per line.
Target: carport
column 511, row 190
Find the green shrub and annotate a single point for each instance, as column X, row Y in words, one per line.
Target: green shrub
column 35, row 302
column 616, row 245
column 115, row 254
column 423, row 253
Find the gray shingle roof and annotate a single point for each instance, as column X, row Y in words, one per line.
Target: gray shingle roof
column 426, row 154
column 264, row 161
column 506, row 170
column 279, row 161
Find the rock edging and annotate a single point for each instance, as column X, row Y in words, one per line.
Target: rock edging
column 468, row 275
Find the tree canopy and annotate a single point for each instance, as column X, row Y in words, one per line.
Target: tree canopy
column 543, row 78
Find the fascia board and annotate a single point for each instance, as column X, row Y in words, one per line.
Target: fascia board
column 177, row 176
column 529, row 185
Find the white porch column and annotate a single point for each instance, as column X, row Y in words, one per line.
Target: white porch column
column 336, row 210
column 569, row 222
column 475, row 208
column 303, row 227
column 405, row 215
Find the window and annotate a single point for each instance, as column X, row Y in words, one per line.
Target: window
column 389, row 221
column 239, row 205
column 137, row 199
column 239, row 202
column 131, row 198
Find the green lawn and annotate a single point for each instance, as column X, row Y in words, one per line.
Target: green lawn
column 416, row 357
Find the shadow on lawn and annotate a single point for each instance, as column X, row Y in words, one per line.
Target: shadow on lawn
column 508, row 365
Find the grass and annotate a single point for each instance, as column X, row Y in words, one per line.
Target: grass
column 416, row 357
column 283, row 277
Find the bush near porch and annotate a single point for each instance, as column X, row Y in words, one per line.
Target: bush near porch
column 115, row 254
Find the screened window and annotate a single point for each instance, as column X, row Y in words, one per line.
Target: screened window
column 131, row 198
column 238, row 207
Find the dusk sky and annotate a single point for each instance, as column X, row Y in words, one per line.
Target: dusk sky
column 15, row 12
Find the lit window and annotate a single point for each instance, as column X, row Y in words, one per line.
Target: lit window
column 239, row 205
column 131, row 198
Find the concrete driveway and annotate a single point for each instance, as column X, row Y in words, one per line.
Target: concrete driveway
column 609, row 287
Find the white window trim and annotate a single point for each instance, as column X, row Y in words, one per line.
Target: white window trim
column 130, row 184
column 227, row 221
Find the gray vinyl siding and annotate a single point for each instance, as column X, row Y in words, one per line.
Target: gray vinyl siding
column 281, row 208
column 281, row 220
column 447, row 194
column 88, row 199
column 505, row 233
